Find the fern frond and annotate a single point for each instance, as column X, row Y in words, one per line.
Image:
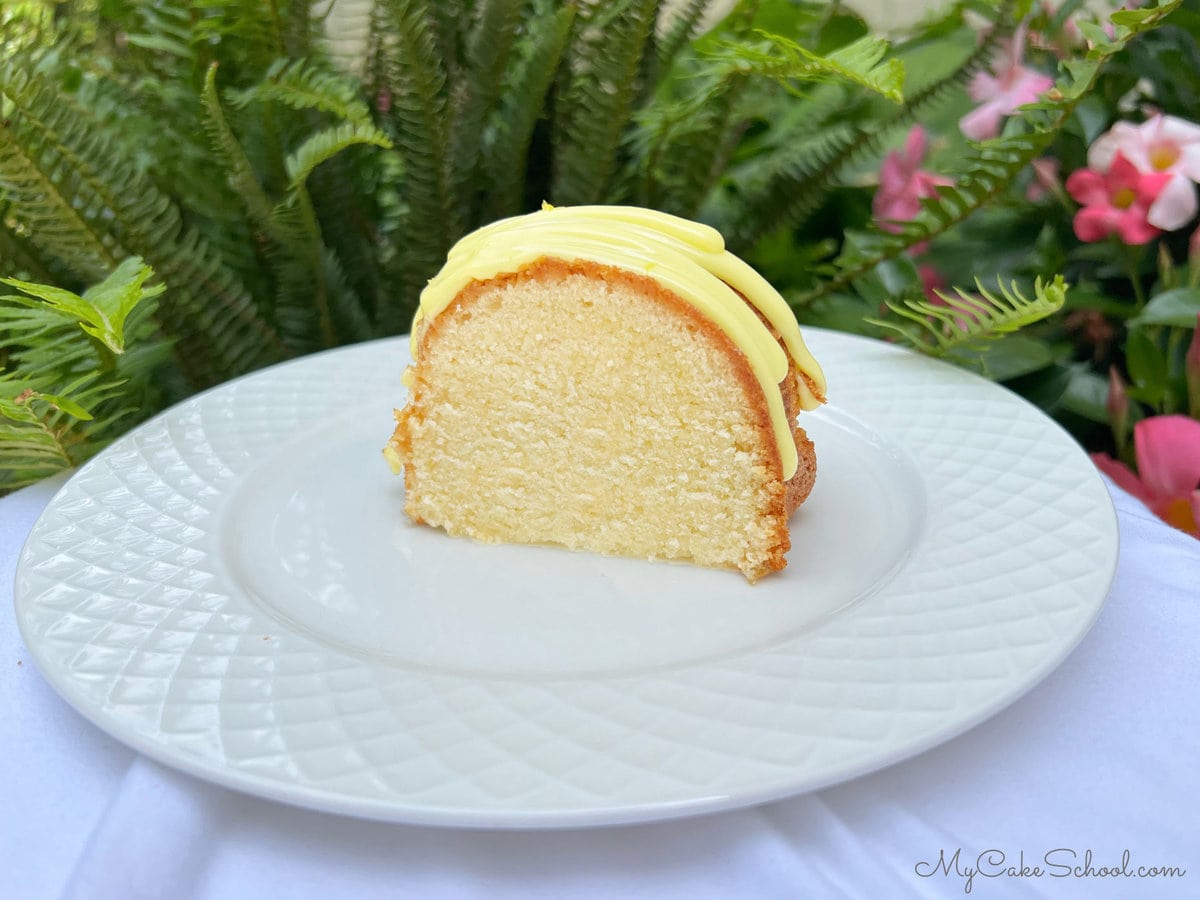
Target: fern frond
column 803, row 171
column 20, row 256
column 300, row 84
column 489, row 46
column 339, row 311
column 539, row 53
column 348, row 29
column 36, row 180
column 595, row 97
column 778, row 198
column 415, row 81
column 350, row 320
column 679, row 27
column 209, row 308
column 989, row 168
column 239, row 171
column 968, row 321
column 776, row 57
column 681, row 148
column 326, row 144
column 160, row 35
column 102, row 309
column 66, row 383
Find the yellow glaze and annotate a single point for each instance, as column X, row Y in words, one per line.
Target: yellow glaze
column 685, row 257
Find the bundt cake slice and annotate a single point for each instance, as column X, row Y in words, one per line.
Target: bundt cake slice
column 608, row 379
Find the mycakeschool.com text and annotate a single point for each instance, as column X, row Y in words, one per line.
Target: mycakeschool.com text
column 973, row 869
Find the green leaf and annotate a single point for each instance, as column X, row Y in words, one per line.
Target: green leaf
column 115, row 298
column 219, row 329
column 70, row 407
column 965, row 320
column 302, row 84
column 1147, row 366
column 783, row 60
column 325, row 145
column 1012, row 357
column 595, row 96
column 103, row 308
column 414, row 80
column 522, row 103
column 1086, row 395
column 1178, row 308
column 239, row 171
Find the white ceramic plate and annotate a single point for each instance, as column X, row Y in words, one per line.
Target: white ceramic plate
column 234, row 590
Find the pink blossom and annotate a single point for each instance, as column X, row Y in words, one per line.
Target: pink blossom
column 1167, row 450
column 903, row 184
column 1011, row 85
column 1115, row 202
column 1161, row 144
column 1045, row 178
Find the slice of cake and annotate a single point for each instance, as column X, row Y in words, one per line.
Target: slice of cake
column 609, row 379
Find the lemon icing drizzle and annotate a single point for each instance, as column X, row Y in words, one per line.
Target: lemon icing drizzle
column 687, row 258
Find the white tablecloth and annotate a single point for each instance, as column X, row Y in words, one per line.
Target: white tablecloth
column 1099, row 759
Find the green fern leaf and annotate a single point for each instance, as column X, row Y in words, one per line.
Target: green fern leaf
column 681, row 148
column 594, row 100
column 967, row 321
column 785, row 195
column 63, row 392
column 781, row 59
column 41, row 202
column 415, row 85
column 20, row 256
column 301, row 84
column 539, row 53
column 798, row 176
column 238, row 169
column 208, row 308
column 489, row 46
column 678, row 29
column 324, row 145
column 101, row 310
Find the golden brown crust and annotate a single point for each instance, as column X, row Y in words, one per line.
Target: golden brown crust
column 783, row 497
column 800, row 485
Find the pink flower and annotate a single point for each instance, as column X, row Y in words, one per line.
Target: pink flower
column 1115, row 202
column 1045, row 179
column 1160, row 145
column 903, row 184
column 1167, row 449
column 1012, row 85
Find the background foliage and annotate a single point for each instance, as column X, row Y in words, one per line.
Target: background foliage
column 189, row 191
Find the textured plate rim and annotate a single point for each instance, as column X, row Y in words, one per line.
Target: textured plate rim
column 307, row 796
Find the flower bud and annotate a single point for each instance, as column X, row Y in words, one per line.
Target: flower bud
column 1191, row 371
column 1194, row 258
column 1118, row 408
